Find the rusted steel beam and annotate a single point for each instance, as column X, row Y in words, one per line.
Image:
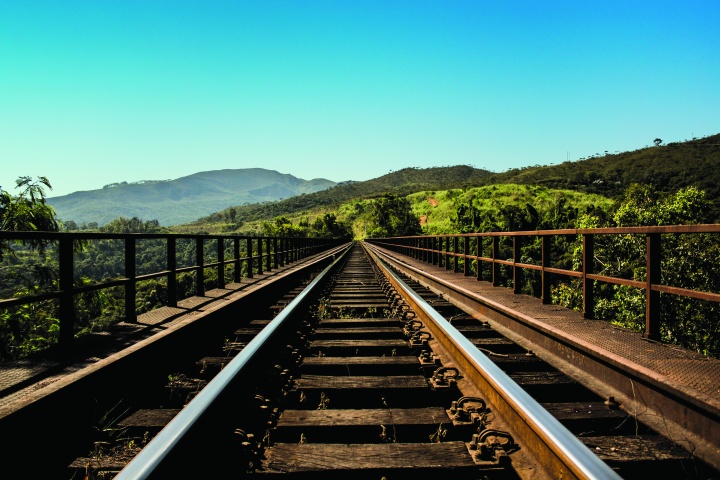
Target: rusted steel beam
column 517, row 270
column 588, row 266
column 172, row 274
column 545, row 274
column 652, row 277
column 67, row 305
column 130, row 286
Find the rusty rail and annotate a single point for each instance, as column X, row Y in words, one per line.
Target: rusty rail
column 561, row 452
column 259, row 255
column 153, row 458
column 446, row 250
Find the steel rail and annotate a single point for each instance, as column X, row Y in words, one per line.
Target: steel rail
column 569, row 457
column 150, row 458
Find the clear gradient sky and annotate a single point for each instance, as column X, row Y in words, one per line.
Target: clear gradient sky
column 100, row 91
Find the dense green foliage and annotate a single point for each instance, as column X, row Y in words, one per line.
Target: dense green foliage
column 26, row 211
column 25, row 265
column 324, row 226
column 689, row 261
column 503, row 208
column 386, row 216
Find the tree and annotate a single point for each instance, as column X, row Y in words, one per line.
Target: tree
column 132, row 225
column 657, row 142
column 327, row 226
column 26, row 328
column 28, row 211
column 391, row 216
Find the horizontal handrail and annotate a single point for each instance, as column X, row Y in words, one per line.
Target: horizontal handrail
column 259, row 255
column 446, row 250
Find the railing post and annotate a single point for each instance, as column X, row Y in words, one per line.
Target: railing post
column 268, row 254
column 456, row 265
column 200, row 260
column 221, row 262
column 248, row 241
column 172, row 271
column 238, row 264
column 545, row 262
column 67, row 305
column 478, row 254
column 495, row 265
column 282, row 253
column 130, row 286
column 466, row 263
column 517, row 271
column 446, row 257
column 588, row 269
column 652, row 277
column 260, row 255
column 272, row 252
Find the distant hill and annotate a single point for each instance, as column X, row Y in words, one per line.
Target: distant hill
column 185, row 199
column 402, row 182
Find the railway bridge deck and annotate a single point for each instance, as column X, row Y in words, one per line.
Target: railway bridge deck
column 675, row 391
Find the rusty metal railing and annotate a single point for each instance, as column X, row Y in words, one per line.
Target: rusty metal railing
column 251, row 255
column 450, row 251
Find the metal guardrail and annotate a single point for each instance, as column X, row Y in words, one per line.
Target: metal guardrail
column 447, row 250
column 254, row 255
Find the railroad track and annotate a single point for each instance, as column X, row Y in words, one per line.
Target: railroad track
column 355, row 373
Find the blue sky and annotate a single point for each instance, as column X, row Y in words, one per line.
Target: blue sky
column 94, row 92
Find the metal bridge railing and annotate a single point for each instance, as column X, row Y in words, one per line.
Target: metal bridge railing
column 452, row 251
column 250, row 255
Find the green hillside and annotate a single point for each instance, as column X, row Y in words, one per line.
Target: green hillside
column 497, row 206
column 667, row 167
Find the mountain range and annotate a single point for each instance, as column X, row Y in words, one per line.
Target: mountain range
column 182, row 200
column 667, row 167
